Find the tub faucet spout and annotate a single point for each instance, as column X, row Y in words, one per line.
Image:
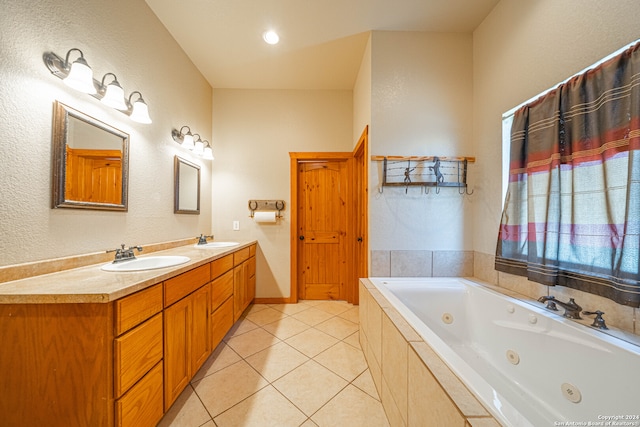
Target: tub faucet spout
column 571, row 308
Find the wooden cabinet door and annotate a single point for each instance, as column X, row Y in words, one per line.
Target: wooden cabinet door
column 251, row 279
column 200, row 335
column 177, row 345
column 239, row 290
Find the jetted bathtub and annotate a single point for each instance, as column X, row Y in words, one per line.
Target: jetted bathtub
column 528, row 366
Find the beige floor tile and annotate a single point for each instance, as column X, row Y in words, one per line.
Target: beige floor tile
column 222, row 357
column 228, row 387
column 286, row 328
column 309, row 423
column 265, row 316
column 351, row 408
column 311, row 302
column 365, row 383
column 311, row 342
column 254, row 308
column 209, row 423
column 266, row 408
column 240, row 327
column 312, row 316
column 338, row 327
column 310, row 386
column 276, row 361
column 334, row 307
column 252, row 342
column 186, row 411
column 354, row 340
column 290, row 308
column 353, row 314
column 344, row 360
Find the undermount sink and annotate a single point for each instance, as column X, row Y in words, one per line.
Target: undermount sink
column 217, row 245
column 146, row 263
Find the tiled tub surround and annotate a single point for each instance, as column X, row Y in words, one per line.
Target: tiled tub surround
column 448, row 402
column 621, row 317
column 413, row 263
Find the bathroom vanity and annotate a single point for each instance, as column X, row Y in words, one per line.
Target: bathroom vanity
column 85, row 347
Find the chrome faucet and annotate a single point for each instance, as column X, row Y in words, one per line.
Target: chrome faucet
column 123, row 254
column 598, row 321
column 202, row 240
column 571, row 309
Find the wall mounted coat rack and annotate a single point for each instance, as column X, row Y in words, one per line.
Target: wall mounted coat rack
column 425, row 171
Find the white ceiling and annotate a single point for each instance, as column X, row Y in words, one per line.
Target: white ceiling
column 321, row 41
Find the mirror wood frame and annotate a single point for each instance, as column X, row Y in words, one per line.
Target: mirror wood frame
column 60, row 199
column 179, row 164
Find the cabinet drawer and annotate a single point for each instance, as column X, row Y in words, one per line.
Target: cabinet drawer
column 180, row 286
column 142, row 406
column 221, row 265
column 136, row 352
column 252, row 250
column 221, row 289
column 221, row 322
column 136, row 308
column 251, row 267
column 240, row 256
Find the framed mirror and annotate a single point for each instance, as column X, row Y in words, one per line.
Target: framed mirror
column 90, row 162
column 187, row 187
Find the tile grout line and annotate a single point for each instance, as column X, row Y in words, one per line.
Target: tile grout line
column 244, row 316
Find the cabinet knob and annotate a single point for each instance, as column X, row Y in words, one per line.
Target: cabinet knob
column 301, row 237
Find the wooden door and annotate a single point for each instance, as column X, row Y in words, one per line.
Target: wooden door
column 360, row 203
column 323, row 188
column 94, row 176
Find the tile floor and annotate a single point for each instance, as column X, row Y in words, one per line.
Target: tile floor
column 284, row 365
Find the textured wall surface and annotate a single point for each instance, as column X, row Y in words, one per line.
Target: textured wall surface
column 254, row 131
column 520, row 50
column 123, row 37
column 421, row 105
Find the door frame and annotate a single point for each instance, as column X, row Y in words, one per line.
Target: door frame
column 358, row 266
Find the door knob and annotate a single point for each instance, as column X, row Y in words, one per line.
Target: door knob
column 301, row 237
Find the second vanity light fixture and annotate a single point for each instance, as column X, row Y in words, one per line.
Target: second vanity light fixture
column 188, row 140
column 79, row 76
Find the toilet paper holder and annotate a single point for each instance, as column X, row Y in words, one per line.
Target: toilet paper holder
column 266, row 205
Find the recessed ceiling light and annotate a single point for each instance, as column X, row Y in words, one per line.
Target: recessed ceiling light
column 271, row 37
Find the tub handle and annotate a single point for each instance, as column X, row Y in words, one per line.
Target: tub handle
column 598, row 321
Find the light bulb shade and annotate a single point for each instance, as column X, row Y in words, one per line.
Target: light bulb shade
column 80, row 77
column 208, row 153
column 199, row 147
column 114, row 96
column 187, row 141
column 139, row 110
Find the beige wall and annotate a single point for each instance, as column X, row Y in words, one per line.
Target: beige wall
column 420, row 105
column 253, row 133
column 123, row 37
column 362, row 95
column 521, row 49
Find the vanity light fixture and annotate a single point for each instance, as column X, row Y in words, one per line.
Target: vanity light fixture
column 208, row 152
column 79, row 75
column 184, row 139
column 139, row 109
column 198, row 147
column 113, row 94
column 192, row 142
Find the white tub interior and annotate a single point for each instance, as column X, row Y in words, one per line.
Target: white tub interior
column 529, row 367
